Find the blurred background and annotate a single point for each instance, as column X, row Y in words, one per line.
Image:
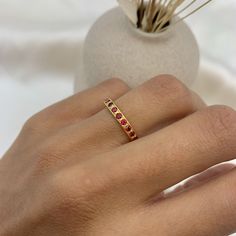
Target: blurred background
column 40, row 47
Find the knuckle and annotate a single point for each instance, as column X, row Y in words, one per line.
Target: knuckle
column 222, row 119
column 168, row 86
column 220, row 125
column 37, row 124
column 167, row 89
column 117, row 83
column 32, row 123
column 87, row 187
column 71, row 197
column 62, row 188
column 173, row 86
column 46, row 159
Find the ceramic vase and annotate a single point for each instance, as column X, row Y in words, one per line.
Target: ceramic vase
column 116, row 48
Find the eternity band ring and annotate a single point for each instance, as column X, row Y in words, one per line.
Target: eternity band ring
column 121, row 119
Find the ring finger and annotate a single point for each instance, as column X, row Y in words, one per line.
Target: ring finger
column 149, row 107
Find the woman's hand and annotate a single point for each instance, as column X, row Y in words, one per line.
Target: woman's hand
column 72, row 171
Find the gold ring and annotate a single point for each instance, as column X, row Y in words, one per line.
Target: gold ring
column 121, row 119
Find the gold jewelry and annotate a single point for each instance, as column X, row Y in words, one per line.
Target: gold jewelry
column 121, row 119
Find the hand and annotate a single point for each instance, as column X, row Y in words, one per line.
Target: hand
column 72, row 171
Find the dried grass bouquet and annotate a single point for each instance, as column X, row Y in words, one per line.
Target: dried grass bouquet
column 156, row 15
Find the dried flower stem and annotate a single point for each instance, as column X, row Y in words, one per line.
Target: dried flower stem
column 156, row 15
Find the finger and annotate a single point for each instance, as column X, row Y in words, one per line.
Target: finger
column 203, row 177
column 79, row 106
column 197, row 180
column 72, row 110
column 151, row 106
column 167, row 157
column 206, row 210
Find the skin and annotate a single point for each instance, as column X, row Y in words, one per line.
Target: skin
column 73, row 172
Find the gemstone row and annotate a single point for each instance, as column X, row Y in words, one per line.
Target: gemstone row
column 120, row 118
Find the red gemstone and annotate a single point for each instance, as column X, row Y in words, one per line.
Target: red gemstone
column 128, row 129
column 123, row 122
column 114, row 109
column 110, row 104
column 132, row 134
column 118, row 116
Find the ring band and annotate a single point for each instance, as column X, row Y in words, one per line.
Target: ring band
column 121, row 119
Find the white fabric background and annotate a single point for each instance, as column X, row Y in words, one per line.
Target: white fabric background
column 40, row 45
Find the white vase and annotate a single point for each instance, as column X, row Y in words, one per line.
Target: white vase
column 115, row 48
